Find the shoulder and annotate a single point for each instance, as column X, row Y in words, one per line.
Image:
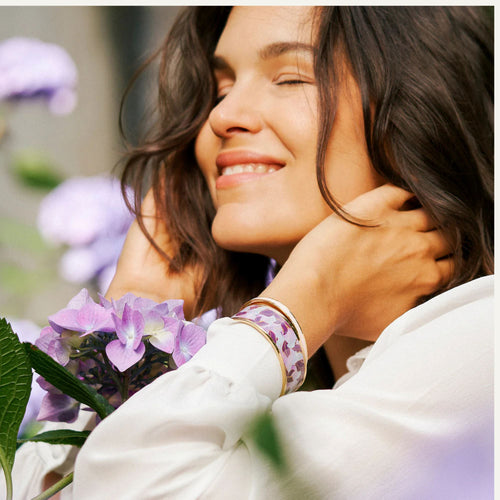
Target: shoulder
column 461, row 316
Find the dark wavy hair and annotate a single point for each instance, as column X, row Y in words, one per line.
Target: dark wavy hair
column 426, row 81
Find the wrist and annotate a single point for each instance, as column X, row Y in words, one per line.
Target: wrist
column 304, row 294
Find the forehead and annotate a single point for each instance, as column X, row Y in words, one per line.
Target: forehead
column 254, row 27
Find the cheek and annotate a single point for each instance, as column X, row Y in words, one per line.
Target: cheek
column 206, row 148
column 349, row 171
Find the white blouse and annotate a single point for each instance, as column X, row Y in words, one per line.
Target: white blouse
column 413, row 419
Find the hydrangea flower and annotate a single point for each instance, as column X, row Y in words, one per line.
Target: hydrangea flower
column 81, row 263
column 188, row 342
column 83, row 315
column 116, row 346
column 162, row 331
column 82, row 210
column 52, row 343
column 56, row 406
column 89, row 216
column 128, row 348
column 30, row 68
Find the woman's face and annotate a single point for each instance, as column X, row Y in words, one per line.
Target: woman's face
column 257, row 149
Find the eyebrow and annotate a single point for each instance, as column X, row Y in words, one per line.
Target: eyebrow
column 270, row 51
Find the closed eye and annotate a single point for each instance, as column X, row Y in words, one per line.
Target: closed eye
column 292, row 82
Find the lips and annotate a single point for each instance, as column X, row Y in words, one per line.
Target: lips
column 236, row 167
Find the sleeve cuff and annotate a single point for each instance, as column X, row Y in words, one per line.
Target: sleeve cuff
column 237, row 352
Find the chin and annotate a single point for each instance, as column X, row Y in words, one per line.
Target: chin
column 247, row 239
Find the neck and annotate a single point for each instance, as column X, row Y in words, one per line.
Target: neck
column 339, row 349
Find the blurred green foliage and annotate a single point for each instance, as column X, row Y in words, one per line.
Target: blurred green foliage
column 35, row 170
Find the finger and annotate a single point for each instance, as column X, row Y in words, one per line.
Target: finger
column 375, row 203
column 393, row 196
column 439, row 247
column 417, row 219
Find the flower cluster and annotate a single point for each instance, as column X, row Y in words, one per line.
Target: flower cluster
column 89, row 215
column 30, row 68
column 117, row 347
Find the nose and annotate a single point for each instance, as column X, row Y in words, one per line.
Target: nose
column 238, row 112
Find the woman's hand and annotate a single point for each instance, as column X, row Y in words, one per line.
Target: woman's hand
column 141, row 269
column 353, row 281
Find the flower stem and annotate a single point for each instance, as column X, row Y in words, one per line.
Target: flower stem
column 55, row 487
column 125, row 385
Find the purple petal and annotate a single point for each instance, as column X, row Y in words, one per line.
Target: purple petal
column 59, row 349
column 65, row 319
column 130, row 328
column 58, row 408
column 82, row 210
column 104, row 302
column 144, row 304
column 190, row 340
column 123, row 357
column 119, row 305
column 47, row 330
column 164, row 338
column 207, row 318
column 164, row 341
column 93, row 317
column 56, row 347
column 171, row 307
column 153, row 322
column 178, row 310
column 80, row 299
column 46, row 386
column 47, row 335
column 31, row 68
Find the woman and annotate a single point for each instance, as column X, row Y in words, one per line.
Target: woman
column 279, row 130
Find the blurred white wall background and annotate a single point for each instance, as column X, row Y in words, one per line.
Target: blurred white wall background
column 105, row 43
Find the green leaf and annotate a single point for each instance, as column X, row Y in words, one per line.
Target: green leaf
column 66, row 382
column 265, row 435
column 62, row 436
column 15, row 389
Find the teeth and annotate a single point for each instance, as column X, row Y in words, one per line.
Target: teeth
column 258, row 168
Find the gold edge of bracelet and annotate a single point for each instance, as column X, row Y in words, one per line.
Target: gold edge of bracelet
column 275, row 347
column 289, row 317
column 270, row 302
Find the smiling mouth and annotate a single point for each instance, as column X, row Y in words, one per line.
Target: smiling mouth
column 249, row 168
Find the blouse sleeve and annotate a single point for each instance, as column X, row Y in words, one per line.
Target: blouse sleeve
column 414, row 422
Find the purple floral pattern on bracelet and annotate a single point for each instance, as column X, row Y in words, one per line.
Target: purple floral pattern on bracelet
column 285, row 339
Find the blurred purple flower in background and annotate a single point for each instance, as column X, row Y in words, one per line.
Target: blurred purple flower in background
column 30, row 68
column 89, row 215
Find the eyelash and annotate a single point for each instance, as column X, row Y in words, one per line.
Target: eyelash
column 292, row 81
